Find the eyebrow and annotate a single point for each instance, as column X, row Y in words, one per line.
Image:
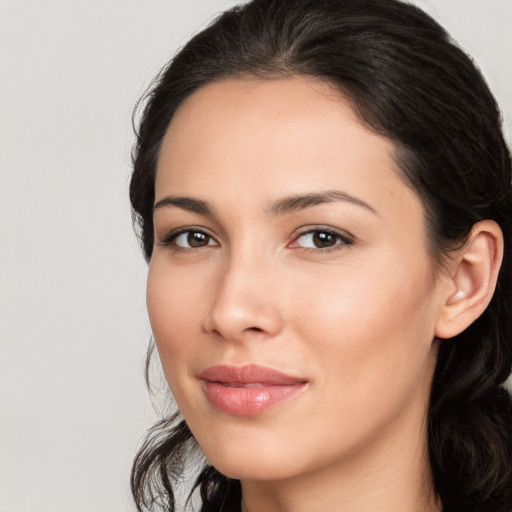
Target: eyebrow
column 185, row 203
column 280, row 207
column 302, row 201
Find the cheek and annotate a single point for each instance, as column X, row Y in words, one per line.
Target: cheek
column 372, row 324
column 174, row 302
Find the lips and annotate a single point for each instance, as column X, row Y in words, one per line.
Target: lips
column 248, row 390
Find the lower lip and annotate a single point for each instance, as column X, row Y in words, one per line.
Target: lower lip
column 248, row 401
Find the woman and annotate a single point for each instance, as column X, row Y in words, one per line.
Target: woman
column 324, row 198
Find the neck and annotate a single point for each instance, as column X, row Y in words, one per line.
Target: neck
column 390, row 474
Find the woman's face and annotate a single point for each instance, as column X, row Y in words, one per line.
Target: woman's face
column 290, row 291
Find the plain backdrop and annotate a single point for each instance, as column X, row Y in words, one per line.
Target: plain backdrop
column 73, row 405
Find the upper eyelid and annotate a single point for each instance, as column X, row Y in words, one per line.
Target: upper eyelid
column 174, row 233
column 345, row 239
column 328, row 229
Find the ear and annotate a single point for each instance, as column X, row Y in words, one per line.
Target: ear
column 473, row 274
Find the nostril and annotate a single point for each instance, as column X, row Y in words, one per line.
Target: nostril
column 217, row 332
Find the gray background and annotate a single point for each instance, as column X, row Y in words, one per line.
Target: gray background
column 74, row 329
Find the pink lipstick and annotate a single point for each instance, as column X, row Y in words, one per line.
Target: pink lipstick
column 248, row 390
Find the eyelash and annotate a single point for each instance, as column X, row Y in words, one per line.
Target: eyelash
column 343, row 240
column 171, row 237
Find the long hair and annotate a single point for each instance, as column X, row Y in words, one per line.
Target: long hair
column 408, row 81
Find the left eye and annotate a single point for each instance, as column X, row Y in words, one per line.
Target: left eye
column 321, row 239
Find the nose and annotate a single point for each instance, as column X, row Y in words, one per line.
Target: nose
column 245, row 303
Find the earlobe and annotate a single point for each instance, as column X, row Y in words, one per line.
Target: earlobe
column 473, row 278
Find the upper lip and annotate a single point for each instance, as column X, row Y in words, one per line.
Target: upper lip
column 249, row 374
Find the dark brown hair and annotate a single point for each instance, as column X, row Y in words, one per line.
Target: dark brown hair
column 410, row 83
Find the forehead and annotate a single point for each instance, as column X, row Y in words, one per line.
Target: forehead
column 249, row 113
column 261, row 139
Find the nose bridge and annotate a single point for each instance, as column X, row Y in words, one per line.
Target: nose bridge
column 244, row 302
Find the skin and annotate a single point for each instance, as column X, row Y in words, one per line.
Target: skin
column 357, row 320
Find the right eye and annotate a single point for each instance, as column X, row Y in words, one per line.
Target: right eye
column 189, row 239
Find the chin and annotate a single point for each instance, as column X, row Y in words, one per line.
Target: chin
column 252, row 460
column 253, row 468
